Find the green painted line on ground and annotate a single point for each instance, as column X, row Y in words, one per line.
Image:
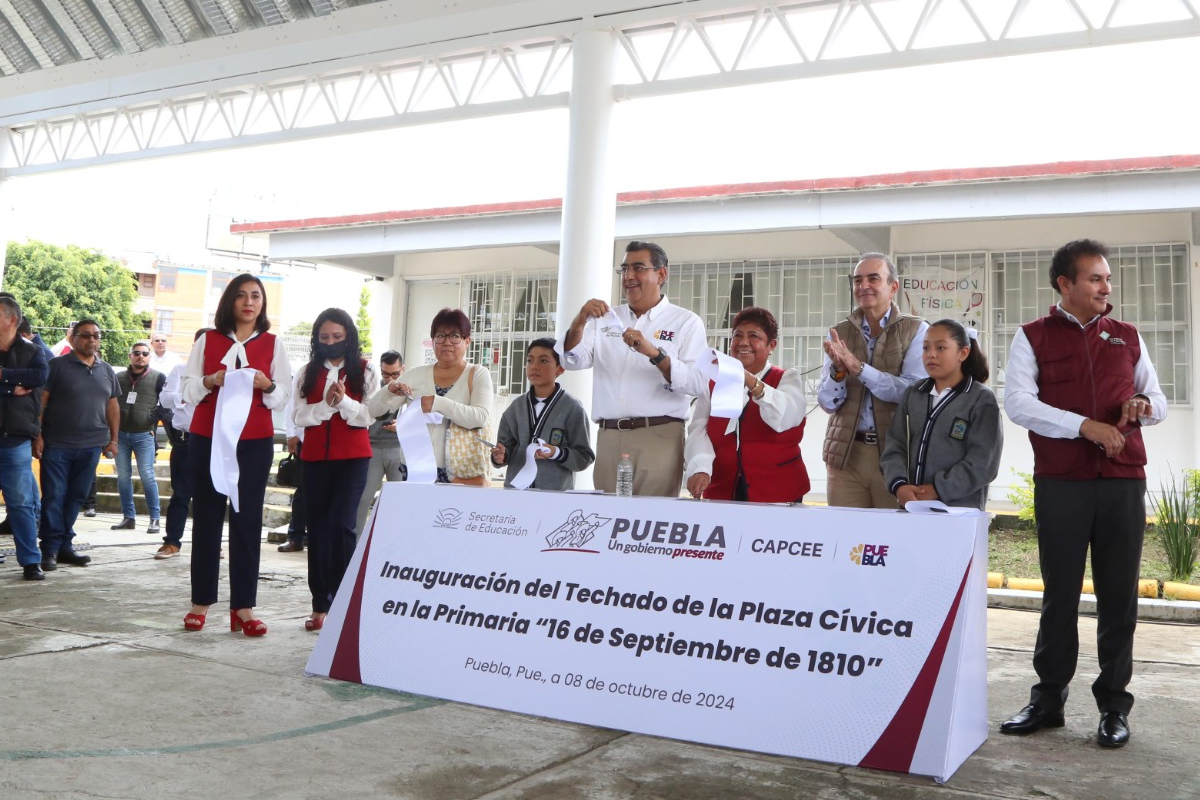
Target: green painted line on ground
column 180, row 749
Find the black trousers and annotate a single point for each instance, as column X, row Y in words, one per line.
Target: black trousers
column 245, row 527
column 331, row 493
column 298, row 522
column 1109, row 515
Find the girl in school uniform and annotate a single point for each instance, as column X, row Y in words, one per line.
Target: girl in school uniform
column 946, row 437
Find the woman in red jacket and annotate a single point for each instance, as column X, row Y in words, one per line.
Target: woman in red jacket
column 239, row 340
column 757, row 456
column 332, row 391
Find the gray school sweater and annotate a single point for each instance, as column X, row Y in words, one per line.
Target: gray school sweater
column 955, row 446
column 563, row 423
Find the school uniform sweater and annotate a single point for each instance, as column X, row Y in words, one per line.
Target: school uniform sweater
column 955, row 445
column 563, row 423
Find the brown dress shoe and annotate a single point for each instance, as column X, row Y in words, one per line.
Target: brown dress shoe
column 291, row 546
column 166, row 551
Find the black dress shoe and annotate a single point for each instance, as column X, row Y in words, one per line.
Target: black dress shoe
column 33, row 572
column 73, row 558
column 291, row 546
column 1031, row 718
column 90, row 511
column 153, row 527
column 127, row 524
column 1114, row 729
column 49, row 564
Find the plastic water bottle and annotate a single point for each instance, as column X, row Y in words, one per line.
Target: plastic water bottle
column 625, row 476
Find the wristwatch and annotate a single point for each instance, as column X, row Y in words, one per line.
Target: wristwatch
column 658, row 359
column 270, row 388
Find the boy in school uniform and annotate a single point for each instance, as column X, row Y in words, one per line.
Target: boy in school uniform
column 548, row 413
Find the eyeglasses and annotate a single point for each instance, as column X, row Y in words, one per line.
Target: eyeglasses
column 454, row 338
column 95, row 336
column 159, row 341
column 636, row 270
column 140, row 353
column 391, row 376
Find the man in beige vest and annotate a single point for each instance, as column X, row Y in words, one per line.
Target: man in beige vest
column 870, row 359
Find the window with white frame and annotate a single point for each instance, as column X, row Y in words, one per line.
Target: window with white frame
column 1150, row 290
column 508, row 310
column 807, row 296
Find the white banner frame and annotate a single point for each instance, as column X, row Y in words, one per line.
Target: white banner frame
column 906, row 691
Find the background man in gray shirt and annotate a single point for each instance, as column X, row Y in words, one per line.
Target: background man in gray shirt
column 80, row 419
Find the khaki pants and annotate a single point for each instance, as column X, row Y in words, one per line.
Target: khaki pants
column 860, row 484
column 656, row 453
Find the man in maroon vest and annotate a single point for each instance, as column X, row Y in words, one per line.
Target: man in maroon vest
column 1083, row 385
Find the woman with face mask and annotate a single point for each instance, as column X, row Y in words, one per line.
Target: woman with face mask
column 332, row 392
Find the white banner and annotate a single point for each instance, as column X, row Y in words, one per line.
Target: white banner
column 856, row 637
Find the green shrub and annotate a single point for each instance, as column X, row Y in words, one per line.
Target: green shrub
column 1021, row 495
column 1173, row 511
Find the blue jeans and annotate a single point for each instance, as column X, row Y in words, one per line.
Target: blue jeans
column 67, row 475
column 141, row 446
column 20, row 498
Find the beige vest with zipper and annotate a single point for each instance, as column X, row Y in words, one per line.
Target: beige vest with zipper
column 890, row 348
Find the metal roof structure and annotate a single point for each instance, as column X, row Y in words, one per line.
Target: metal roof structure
column 87, row 82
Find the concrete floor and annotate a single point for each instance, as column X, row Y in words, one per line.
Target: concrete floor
column 102, row 694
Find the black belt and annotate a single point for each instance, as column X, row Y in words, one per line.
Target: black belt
column 633, row 423
column 867, row 437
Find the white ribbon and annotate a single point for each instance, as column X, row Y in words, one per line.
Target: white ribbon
column 233, row 409
column 237, row 352
column 412, row 429
column 729, row 379
column 524, row 479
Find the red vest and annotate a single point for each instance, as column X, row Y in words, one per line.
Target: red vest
column 1087, row 371
column 261, row 352
column 333, row 439
column 771, row 460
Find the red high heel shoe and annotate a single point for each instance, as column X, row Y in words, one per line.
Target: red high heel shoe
column 250, row 627
column 193, row 622
column 311, row 624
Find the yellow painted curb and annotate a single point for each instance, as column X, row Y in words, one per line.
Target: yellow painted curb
column 1148, row 588
column 1180, row 591
column 1026, row 584
column 995, row 580
column 1088, row 587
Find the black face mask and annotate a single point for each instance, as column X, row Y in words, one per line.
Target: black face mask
column 328, row 352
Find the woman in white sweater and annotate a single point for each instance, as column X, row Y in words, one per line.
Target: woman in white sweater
column 460, row 392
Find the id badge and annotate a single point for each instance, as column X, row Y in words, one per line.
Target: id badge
column 131, row 398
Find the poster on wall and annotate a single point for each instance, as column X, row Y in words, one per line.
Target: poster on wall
column 934, row 293
column 723, row 623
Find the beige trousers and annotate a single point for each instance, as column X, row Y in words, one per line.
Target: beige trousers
column 657, row 455
column 860, row 484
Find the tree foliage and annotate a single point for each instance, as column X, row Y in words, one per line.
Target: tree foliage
column 363, row 320
column 56, row 286
column 299, row 329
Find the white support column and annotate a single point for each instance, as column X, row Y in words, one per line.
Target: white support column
column 589, row 202
column 6, row 158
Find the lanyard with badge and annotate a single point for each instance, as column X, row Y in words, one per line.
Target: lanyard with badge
column 131, row 398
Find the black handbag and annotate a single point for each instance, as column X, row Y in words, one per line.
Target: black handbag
column 289, row 472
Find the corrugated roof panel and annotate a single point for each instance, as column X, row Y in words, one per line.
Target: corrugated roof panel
column 91, row 27
column 19, row 58
column 47, row 31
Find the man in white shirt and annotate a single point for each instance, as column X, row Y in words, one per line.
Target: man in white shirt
column 870, row 359
column 1083, row 384
column 161, row 360
column 643, row 352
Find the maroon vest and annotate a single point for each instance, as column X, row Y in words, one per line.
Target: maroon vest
column 771, row 460
column 261, row 352
column 333, row 439
column 1087, row 371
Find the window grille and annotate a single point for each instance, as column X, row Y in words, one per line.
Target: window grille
column 1150, row 290
column 508, row 310
column 807, row 297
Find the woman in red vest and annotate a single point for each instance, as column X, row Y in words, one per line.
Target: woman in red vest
column 332, row 391
column 755, row 457
column 238, row 340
